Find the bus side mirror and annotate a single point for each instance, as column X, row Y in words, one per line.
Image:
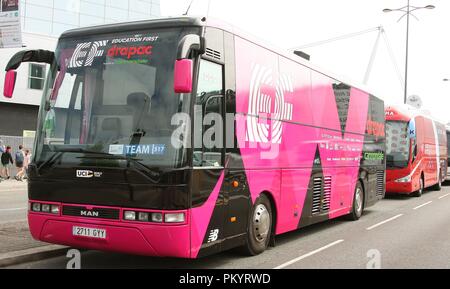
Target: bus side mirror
column 10, row 83
column 183, row 74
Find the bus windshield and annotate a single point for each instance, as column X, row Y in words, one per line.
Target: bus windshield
column 397, row 144
column 113, row 95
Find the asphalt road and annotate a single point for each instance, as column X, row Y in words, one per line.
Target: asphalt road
column 13, row 201
column 398, row 232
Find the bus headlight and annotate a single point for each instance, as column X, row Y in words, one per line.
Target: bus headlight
column 157, row 217
column 404, row 180
column 143, row 217
column 129, row 215
column 55, row 209
column 174, row 218
column 36, row 207
column 45, row 208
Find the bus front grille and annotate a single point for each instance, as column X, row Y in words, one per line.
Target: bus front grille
column 97, row 213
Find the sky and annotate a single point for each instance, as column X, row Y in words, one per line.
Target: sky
column 295, row 23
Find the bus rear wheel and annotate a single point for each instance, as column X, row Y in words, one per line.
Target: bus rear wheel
column 358, row 203
column 259, row 229
column 438, row 186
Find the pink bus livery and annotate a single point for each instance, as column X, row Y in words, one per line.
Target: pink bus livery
column 292, row 146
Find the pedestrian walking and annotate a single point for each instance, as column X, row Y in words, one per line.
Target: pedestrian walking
column 26, row 162
column 7, row 161
column 19, row 159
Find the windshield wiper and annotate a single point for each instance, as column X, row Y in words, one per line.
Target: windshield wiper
column 78, row 150
column 152, row 173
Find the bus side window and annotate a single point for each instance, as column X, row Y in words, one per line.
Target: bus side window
column 209, row 126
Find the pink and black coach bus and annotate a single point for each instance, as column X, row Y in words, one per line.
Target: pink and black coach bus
column 180, row 137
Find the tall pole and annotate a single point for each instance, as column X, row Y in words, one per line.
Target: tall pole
column 407, row 52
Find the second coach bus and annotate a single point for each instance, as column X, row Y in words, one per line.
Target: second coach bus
column 416, row 148
column 180, row 137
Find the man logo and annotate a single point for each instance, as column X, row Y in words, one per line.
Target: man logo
column 267, row 101
column 81, row 57
column 89, row 214
column 85, row 174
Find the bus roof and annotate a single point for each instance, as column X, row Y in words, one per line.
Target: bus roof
column 406, row 113
column 187, row 21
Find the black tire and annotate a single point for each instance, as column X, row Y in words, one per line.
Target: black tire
column 259, row 229
column 358, row 203
column 438, row 186
column 419, row 193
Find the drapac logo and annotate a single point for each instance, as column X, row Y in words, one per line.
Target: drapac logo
column 85, row 174
column 267, row 102
column 86, row 52
column 129, row 52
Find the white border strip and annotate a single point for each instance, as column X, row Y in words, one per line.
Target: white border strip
column 423, row 205
column 282, row 266
column 444, row 196
column 384, row 222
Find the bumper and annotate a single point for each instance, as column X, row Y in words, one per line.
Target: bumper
column 393, row 187
column 140, row 239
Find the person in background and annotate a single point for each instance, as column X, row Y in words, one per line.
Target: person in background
column 26, row 162
column 20, row 158
column 7, row 161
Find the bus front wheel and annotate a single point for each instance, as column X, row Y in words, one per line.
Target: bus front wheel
column 358, row 203
column 259, row 228
column 419, row 193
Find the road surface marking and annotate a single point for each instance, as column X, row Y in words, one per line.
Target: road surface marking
column 282, row 266
column 444, row 196
column 384, row 222
column 423, row 205
column 12, row 209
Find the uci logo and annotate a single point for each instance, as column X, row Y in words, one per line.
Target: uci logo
column 85, row 174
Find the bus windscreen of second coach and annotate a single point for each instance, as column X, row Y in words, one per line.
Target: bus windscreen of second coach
column 397, row 144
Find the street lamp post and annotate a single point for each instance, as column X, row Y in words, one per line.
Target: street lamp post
column 408, row 11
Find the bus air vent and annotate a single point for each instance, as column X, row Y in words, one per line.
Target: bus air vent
column 326, row 200
column 380, row 183
column 213, row 53
column 321, row 195
column 317, row 195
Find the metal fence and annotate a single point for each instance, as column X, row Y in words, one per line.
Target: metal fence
column 14, row 142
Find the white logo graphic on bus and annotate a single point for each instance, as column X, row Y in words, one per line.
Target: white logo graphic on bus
column 267, row 101
column 86, row 52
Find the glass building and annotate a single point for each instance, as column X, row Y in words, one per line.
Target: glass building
column 53, row 17
column 43, row 21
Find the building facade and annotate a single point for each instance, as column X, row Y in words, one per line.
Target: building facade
column 42, row 22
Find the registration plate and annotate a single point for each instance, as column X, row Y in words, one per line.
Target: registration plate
column 89, row 232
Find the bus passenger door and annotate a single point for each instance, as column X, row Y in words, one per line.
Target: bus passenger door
column 208, row 149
